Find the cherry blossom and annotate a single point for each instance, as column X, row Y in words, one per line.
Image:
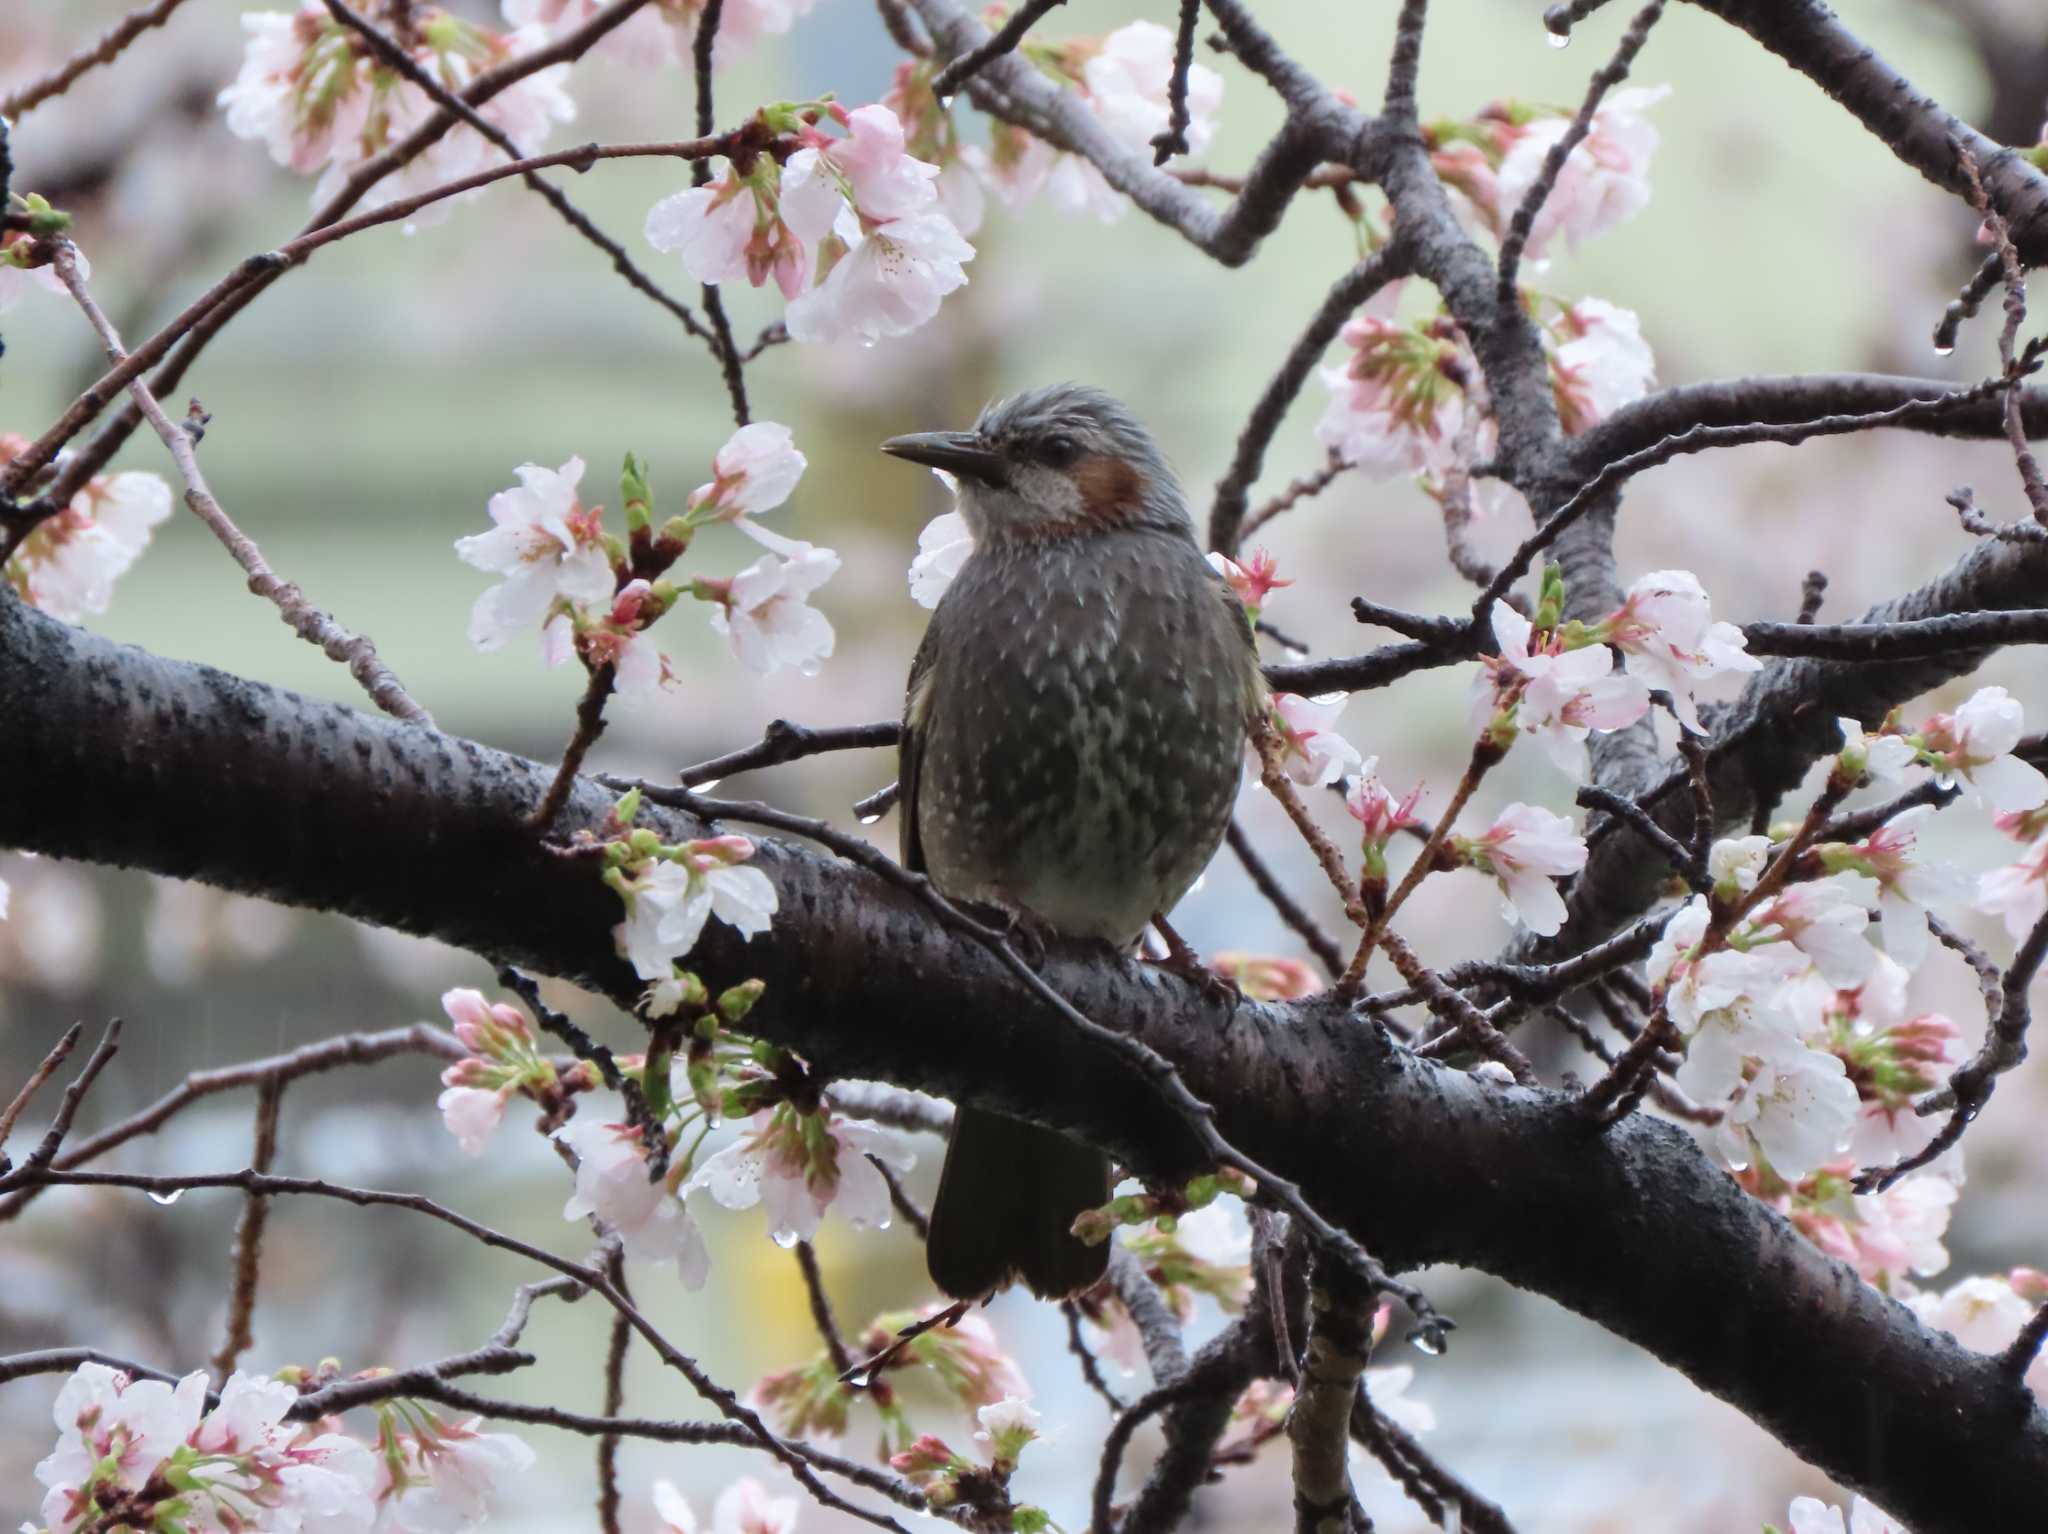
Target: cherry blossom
column 1016, row 164
column 1524, row 850
column 1393, row 407
column 444, row 1477
column 1600, row 363
column 754, row 472
column 1077, row 189
column 1825, row 920
column 799, row 1165
column 316, row 98
column 742, row 1508
column 1795, row 1103
column 764, row 612
column 1313, row 753
column 1127, row 81
column 143, row 1447
column 1906, row 885
column 1697, row 986
column 1898, row 1232
column 729, row 228
column 1559, row 695
column 503, row 1058
column 611, row 1183
column 1007, row 1427
column 942, row 550
column 888, row 283
column 68, row 565
column 1974, row 744
column 545, row 544
column 1605, row 179
column 616, row 637
column 1251, row 582
column 2018, row 893
column 668, row 900
column 1810, row 1515
column 1985, row 1314
column 665, row 32
column 1668, row 637
column 1884, row 757
column 1265, row 976
column 1379, row 814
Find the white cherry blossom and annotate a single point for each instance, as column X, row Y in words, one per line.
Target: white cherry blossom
column 68, row 565
column 1565, row 694
column 765, row 613
column 545, row 545
column 1524, row 850
column 611, row 1183
column 797, row 1166
column 448, row 1477
column 2017, row 893
column 1605, row 180
column 1127, row 82
column 1668, row 637
column 669, row 900
column 889, row 282
column 1314, row 753
column 942, row 551
column 1907, row 884
column 1825, row 921
column 755, row 471
column 1601, row 363
column 1974, row 744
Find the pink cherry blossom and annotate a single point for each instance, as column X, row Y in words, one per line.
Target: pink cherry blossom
column 1907, row 885
column 1313, row 752
column 611, row 1183
column 742, row 1508
column 472, row 1115
column 1375, row 808
column 2017, row 893
column 869, row 167
column 889, row 282
column 545, row 544
column 1560, row 696
column 1985, row 1314
column 1393, row 408
column 665, row 32
column 1825, row 920
column 1898, row 1233
column 67, row 566
column 764, row 612
column 1668, row 638
column 799, row 1165
column 1974, row 744
column 1794, row 1103
column 942, row 551
column 754, row 472
column 1251, row 582
column 1601, row 362
column 1126, row 86
column 1076, row 189
column 1605, row 180
column 113, row 1431
column 730, row 228
column 1266, row 977
column 1524, row 850
column 1016, row 164
column 446, row 1477
column 1697, row 986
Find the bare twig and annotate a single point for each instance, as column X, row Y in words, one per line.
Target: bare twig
column 59, row 1053
column 589, row 725
column 821, row 1307
column 1686, row 862
column 1091, row 1371
column 1004, row 40
column 1175, row 139
column 25, row 98
column 1305, row 487
column 1604, row 80
column 608, row 1498
column 783, row 742
column 46, row 1149
column 307, row 621
column 248, row 1247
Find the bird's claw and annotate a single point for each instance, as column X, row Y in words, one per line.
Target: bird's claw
column 1182, row 960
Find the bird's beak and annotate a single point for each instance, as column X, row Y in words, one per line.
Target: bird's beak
column 958, row 452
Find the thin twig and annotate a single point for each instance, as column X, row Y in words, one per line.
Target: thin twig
column 1175, row 139
column 782, row 742
column 1091, row 1371
column 248, row 1245
column 59, row 1053
column 46, row 1149
column 1306, row 487
column 1289, row 910
column 1004, row 39
column 608, row 1496
column 589, row 725
column 1685, row 861
column 307, row 621
column 821, row 1307
column 1604, row 79
column 20, row 101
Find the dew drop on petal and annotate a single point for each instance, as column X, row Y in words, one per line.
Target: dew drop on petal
column 167, row 1199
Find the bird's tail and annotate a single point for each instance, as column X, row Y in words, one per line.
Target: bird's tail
column 1006, row 1206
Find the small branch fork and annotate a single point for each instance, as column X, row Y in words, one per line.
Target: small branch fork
column 109, row 47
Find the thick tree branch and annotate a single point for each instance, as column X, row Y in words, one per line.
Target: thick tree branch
column 399, row 825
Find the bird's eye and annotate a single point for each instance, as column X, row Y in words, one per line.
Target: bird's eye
column 1058, row 450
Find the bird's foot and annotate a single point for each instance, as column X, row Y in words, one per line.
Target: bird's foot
column 1184, row 961
column 1022, row 928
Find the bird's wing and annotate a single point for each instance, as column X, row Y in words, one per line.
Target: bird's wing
column 910, row 752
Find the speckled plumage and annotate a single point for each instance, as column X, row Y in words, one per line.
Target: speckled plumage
column 1073, row 732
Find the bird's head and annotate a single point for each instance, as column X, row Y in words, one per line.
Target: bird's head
column 1060, row 462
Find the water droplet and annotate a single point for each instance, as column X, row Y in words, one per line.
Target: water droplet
column 783, row 1238
column 1557, row 21
column 1427, row 1338
column 868, row 820
column 167, row 1199
column 706, row 786
column 945, row 102
column 1943, row 348
column 858, row 1380
column 1295, row 651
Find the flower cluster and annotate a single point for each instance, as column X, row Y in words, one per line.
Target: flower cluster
column 742, row 1508
column 849, row 228
column 25, row 258
column 138, row 1453
column 671, row 890
column 1311, row 751
column 1251, row 582
column 317, row 97
column 596, row 595
column 1122, row 79
column 1810, row 1515
column 2018, row 893
column 1496, row 158
column 798, row 1164
column 68, row 565
column 1555, row 684
column 962, row 1359
column 1524, row 850
column 664, row 32
column 503, row 1061
column 1008, row 1427
column 1203, row 1251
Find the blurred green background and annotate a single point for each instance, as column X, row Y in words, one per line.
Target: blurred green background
column 366, row 408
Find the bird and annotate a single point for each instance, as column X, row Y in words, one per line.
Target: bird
column 1073, row 729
